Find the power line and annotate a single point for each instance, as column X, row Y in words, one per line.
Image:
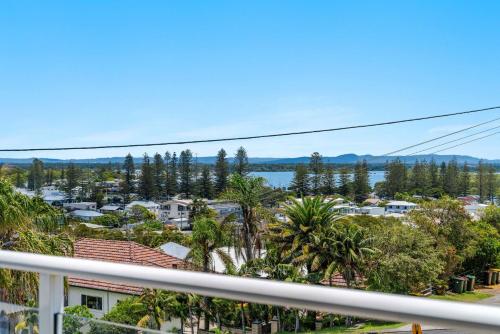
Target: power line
column 467, row 142
column 454, row 140
column 249, row 137
column 440, row 137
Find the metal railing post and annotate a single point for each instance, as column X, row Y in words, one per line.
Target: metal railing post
column 51, row 302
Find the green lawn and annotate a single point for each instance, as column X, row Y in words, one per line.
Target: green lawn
column 469, row 297
column 373, row 326
column 369, row 326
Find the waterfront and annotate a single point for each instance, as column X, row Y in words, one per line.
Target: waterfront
column 284, row 179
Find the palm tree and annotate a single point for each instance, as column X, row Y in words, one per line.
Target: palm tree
column 27, row 225
column 295, row 234
column 152, row 302
column 290, row 273
column 323, row 252
column 177, row 305
column 208, row 238
column 28, row 320
column 352, row 247
column 249, row 193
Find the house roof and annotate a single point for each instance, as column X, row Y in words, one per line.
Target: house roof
column 401, row 203
column 146, row 204
column 122, row 252
column 110, row 208
column 86, row 213
column 175, row 250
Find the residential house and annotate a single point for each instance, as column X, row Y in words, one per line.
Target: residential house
column 50, row 195
column 176, row 209
column 345, row 209
column 175, row 249
column 80, row 206
column 400, row 207
column 372, row 201
column 101, row 296
column 475, row 210
column 224, row 209
column 371, row 211
column 469, row 200
column 150, row 205
column 86, row 215
column 106, row 209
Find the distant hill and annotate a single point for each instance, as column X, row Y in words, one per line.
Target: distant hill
column 353, row 158
column 341, row 159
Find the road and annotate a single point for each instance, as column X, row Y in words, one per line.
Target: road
column 493, row 301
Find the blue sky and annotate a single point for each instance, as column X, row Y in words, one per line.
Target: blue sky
column 114, row 72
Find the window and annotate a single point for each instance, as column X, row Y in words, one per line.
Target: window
column 94, row 303
column 167, row 207
column 180, row 208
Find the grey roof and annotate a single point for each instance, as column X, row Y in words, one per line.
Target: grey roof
column 110, row 207
column 175, row 250
column 86, row 213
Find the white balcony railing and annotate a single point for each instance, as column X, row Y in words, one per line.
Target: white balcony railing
column 473, row 317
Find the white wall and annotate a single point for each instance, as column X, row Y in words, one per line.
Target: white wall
column 109, row 299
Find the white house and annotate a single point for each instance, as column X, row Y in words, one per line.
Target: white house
column 371, row 211
column 176, row 208
column 150, row 205
column 345, row 209
column 110, row 209
column 80, row 206
column 475, row 210
column 181, row 223
column 101, row 296
column 225, row 209
column 174, row 249
column 400, row 207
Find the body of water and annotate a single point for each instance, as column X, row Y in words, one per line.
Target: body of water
column 284, row 179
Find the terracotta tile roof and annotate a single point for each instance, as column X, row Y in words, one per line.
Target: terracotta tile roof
column 103, row 285
column 122, row 252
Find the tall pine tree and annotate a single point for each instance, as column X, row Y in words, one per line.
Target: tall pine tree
column 395, row 178
column 465, row 180
column 73, row 175
column 128, row 183
column 328, row 186
column 241, row 162
column 419, row 179
column 221, row 171
column 316, row 170
column 158, row 176
column 361, row 183
column 146, row 181
column 481, row 176
column 345, row 183
column 186, row 173
column 451, row 184
column 300, row 182
column 36, row 176
column 434, row 174
column 171, row 174
column 491, row 183
column 205, row 185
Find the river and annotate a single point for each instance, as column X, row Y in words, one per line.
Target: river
column 283, row 179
